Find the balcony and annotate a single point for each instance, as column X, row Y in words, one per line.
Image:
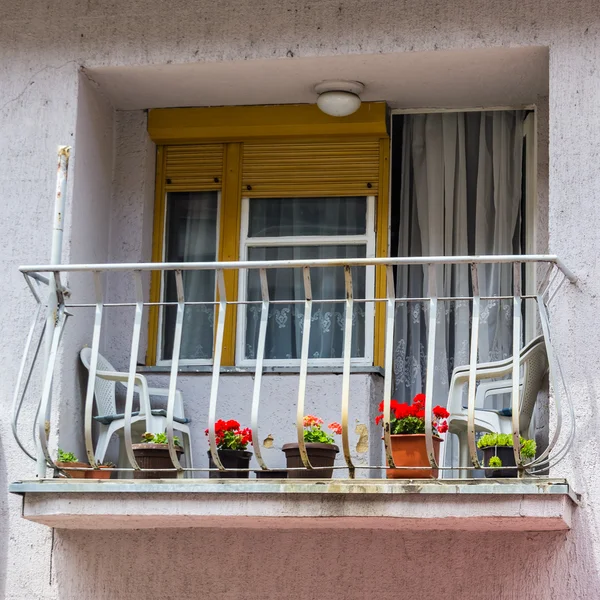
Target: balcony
column 107, row 307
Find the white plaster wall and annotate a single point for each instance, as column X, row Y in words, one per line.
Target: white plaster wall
column 41, row 48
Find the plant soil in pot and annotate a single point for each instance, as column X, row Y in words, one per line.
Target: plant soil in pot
column 102, row 472
column 409, row 450
column 498, row 451
column 507, row 459
column 232, row 440
column 320, row 449
column 73, row 474
column 152, row 455
column 68, row 459
column 231, row 459
column 319, row 455
column 407, row 437
column 271, row 474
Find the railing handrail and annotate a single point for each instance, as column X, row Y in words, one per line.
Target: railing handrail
column 297, row 263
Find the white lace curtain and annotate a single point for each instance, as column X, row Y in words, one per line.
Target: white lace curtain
column 328, row 218
column 460, row 194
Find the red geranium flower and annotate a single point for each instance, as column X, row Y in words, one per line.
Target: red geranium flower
column 410, row 418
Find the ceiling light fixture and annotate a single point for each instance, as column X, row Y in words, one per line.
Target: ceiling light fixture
column 339, row 98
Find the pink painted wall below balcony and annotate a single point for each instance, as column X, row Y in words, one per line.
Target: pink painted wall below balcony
column 323, row 565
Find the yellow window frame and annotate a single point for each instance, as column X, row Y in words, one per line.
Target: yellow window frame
column 232, row 126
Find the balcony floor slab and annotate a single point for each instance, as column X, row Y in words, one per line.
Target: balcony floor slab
column 538, row 504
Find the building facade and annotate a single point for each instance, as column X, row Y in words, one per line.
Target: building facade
column 94, row 76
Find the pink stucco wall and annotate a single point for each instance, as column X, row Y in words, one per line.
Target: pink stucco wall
column 42, row 47
column 322, row 564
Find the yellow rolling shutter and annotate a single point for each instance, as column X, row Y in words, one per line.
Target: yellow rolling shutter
column 194, row 167
column 292, row 168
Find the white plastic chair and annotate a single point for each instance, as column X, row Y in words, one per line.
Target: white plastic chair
column 533, row 362
column 145, row 419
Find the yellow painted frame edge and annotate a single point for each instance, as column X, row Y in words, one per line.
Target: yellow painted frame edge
column 157, row 251
column 229, row 245
column 382, row 224
column 242, row 123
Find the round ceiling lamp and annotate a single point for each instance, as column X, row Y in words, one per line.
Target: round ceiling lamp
column 339, row 98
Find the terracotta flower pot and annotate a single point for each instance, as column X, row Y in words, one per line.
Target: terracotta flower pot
column 409, row 450
column 73, row 474
column 154, row 456
column 231, row 459
column 319, row 455
column 506, row 455
column 102, row 472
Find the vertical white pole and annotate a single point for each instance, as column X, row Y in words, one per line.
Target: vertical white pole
column 55, row 258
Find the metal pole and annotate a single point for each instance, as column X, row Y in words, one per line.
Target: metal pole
column 60, row 195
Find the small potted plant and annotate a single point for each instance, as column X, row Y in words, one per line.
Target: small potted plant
column 102, row 472
column 498, row 451
column 320, row 448
column 153, row 453
column 68, row 459
column 232, row 443
column 407, row 437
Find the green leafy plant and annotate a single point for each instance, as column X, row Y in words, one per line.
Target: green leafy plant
column 66, row 457
column 495, row 462
column 313, row 433
column 489, row 440
column 159, row 438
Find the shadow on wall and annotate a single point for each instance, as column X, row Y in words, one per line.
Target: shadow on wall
column 324, row 564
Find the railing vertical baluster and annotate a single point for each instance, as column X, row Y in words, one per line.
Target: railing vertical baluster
column 431, row 335
column 346, row 370
column 44, row 407
column 135, row 344
column 19, row 396
column 216, row 372
column 516, row 364
column 89, row 394
column 552, row 368
column 258, row 373
column 390, row 315
column 174, row 371
column 472, row 387
column 304, row 367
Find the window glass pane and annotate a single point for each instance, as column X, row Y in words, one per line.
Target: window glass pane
column 276, row 217
column 191, row 236
column 286, row 320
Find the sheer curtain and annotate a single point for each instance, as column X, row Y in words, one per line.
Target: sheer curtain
column 460, row 193
column 191, row 237
column 292, row 219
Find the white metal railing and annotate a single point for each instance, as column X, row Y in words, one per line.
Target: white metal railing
column 59, row 305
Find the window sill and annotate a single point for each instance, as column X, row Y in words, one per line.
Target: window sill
column 539, row 504
column 201, row 369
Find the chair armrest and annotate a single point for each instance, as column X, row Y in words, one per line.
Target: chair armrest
column 493, row 388
column 164, row 393
column 122, row 377
column 140, row 386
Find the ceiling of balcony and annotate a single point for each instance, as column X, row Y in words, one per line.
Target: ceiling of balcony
column 451, row 79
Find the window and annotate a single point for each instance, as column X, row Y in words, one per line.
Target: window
column 190, row 236
column 269, row 183
column 307, row 228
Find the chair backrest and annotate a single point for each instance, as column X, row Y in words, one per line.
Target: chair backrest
column 104, row 390
column 535, row 365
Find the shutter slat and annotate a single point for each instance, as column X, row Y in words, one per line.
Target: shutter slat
column 194, row 167
column 310, row 169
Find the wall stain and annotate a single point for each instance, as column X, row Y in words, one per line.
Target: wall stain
column 363, row 440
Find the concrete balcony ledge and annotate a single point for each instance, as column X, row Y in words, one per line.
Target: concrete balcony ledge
column 471, row 505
